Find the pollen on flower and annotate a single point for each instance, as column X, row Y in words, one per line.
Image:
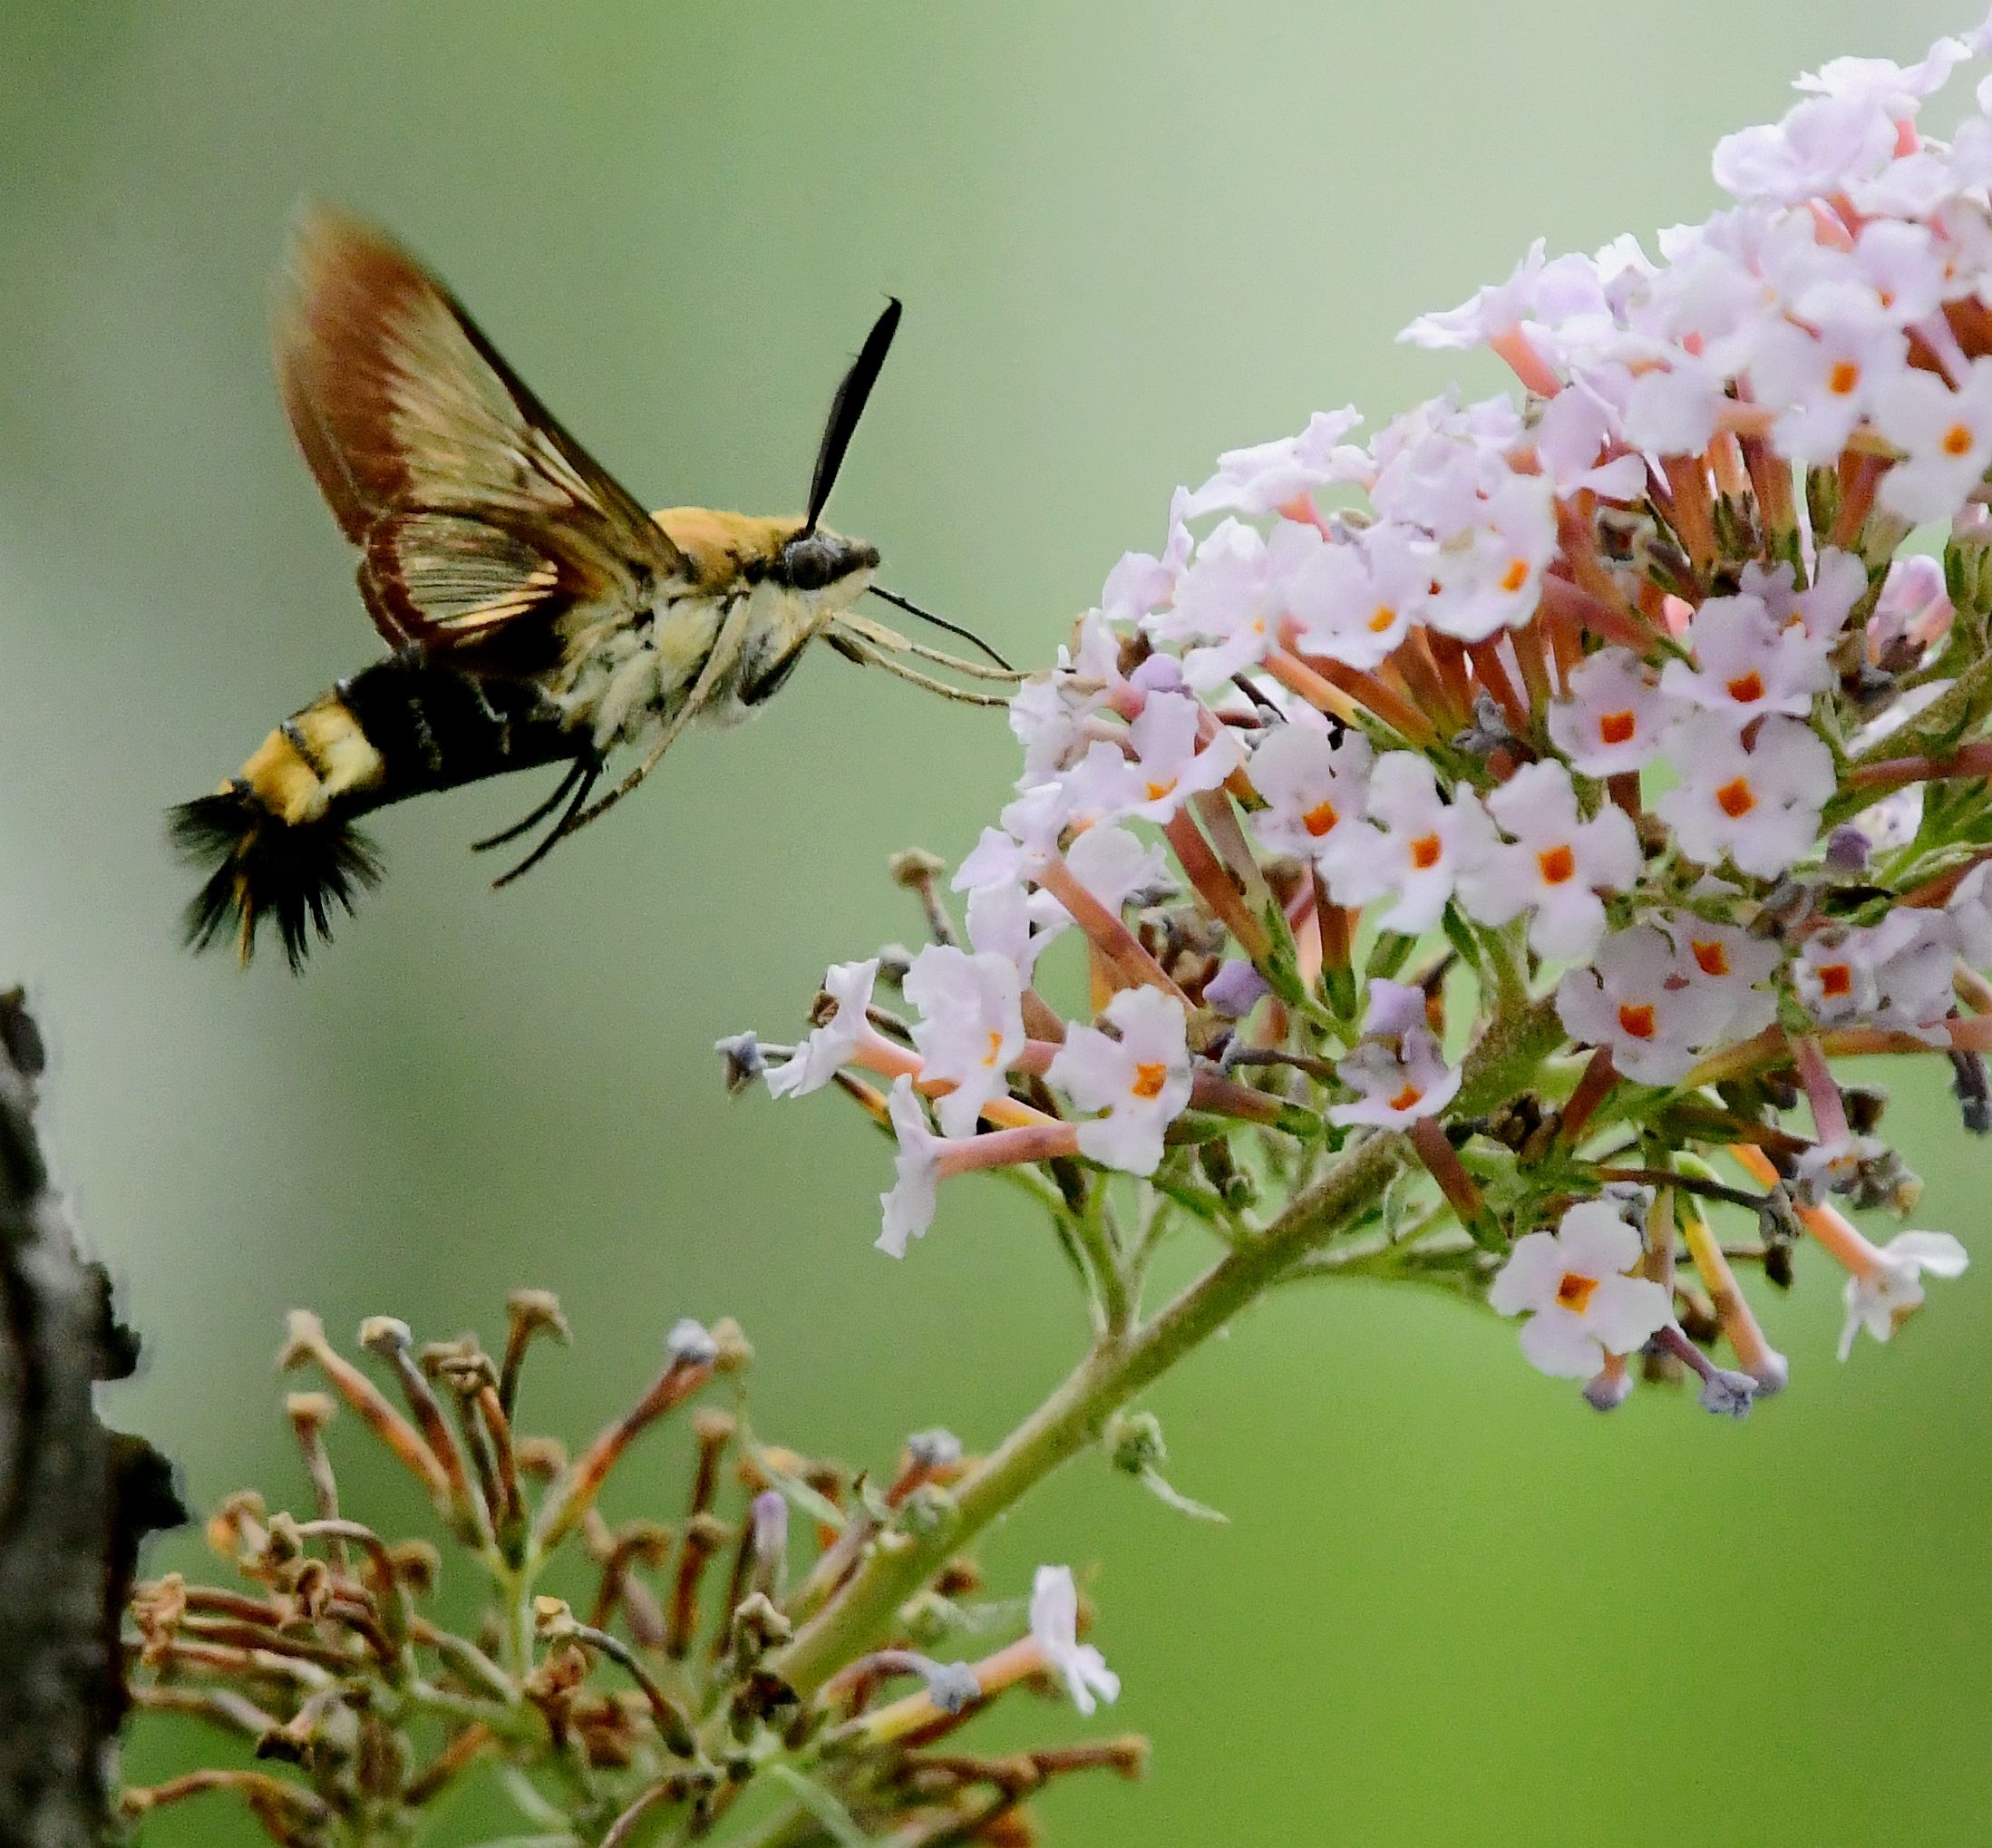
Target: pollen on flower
column 1149, row 1076
column 1616, row 727
column 1835, row 979
column 1425, row 850
column 1558, row 863
column 1711, row 955
column 993, row 1055
column 1637, row 1018
column 1382, row 619
column 1319, row 820
column 1735, row 798
column 1158, row 791
column 1575, row 1290
column 1747, row 689
column 1842, row 378
column 1958, row 440
column 1516, row 575
column 1407, row 1097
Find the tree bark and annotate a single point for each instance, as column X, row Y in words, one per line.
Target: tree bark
column 75, row 1498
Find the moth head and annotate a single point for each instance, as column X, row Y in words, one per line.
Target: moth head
column 817, row 562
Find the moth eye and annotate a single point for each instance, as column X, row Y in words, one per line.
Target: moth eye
column 811, row 564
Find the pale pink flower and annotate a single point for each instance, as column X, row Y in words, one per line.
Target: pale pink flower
column 1572, row 1284
column 1615, row 716
column 1410, row 846
column 972, row 1027
column 1555, row 865
column 1746, row 664
column 1823, row 383
column 1636, row 1000
column 1356, row 602
column 1725, row 964
column 1758, row 805
column 1139, row 1076
column 1163, row 767
column 1970, row 911
column 1947, row 435
column 1312, row 788
column 831, row 1045
column 1263, row 479
column 907, row 1207
column 1397, row 1069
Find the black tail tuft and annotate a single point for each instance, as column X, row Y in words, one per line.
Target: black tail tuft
column 263, row 868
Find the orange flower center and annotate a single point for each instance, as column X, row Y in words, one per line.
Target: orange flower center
column 1319, row 819
column 1516, row 575
column 1747, row 689
column 996, row 1050
column 1616, row 727
column 1736, row 799
column 1149, row 1080
column 1636, row 1019
column 1574, row 1291
column 1835, row 979
column 1425, row 850
column 1558, row 865
column 1958, row 440
column 1381, row 618
column 1157, row 790
column 1844, row 376
column 1710, row 955
column 1406, row 1098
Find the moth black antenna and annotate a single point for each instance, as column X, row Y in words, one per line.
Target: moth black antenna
column 953, row 628
column 847, row 407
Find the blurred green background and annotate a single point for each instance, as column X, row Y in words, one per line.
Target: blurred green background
column 1453, row 1605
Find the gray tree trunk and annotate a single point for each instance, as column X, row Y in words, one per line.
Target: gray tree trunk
column 75, row 1498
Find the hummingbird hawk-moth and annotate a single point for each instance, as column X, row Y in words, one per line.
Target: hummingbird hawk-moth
column 538, row 617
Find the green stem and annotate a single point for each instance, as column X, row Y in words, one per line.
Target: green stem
column 1071, row 1419
column 1096, row 1240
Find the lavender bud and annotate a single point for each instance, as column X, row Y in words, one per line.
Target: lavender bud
column 1848, row 849
column 952, row 1687
column 690, row 1343
column 1235, row 991
column 935, row 1449
column 1727, row 1394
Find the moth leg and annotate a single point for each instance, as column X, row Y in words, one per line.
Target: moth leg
column 720, row 662
column 577, row 769
column 587, row 769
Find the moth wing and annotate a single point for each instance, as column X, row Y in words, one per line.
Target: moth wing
column 474, row 507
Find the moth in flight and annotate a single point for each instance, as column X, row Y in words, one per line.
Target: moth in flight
column 538, row 617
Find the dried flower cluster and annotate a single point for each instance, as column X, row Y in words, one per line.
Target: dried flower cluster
column 643, row 1711
column 1615, row 741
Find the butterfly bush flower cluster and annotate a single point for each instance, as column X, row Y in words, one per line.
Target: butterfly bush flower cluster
column 1524, row 805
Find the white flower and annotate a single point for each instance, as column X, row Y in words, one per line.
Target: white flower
column 1411, row 845
column 833, row 1044
column 1356, row 602
column 1494, row 580
column 1725, row 963
column 1312, row 788
column 1638, row 1000
column 972, row 1031
column 1142, row 1078
column 1142, row 583
column 1896, row 974
column 1970, row 910
column 1888, row 1294
column 1233, row 595
column 1556, row 864
column 1113, row 864
column 1581, row 1305
column 1055, row 1629
column 1397, row 1069
column 1746, row 663
column 1824, row 383
column 1165, row 768
column 1008, row 920
column 1614, row 716
column 1823, row 146
column 1947, row 436
column 1052, row 715
column 1760, row 804
column 1574, row 427
column 909, row 1206
column 1263, row 479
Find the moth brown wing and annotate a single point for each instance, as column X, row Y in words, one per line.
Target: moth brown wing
column 474, row 507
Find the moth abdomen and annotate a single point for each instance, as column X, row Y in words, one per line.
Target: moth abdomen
column 278, row 840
